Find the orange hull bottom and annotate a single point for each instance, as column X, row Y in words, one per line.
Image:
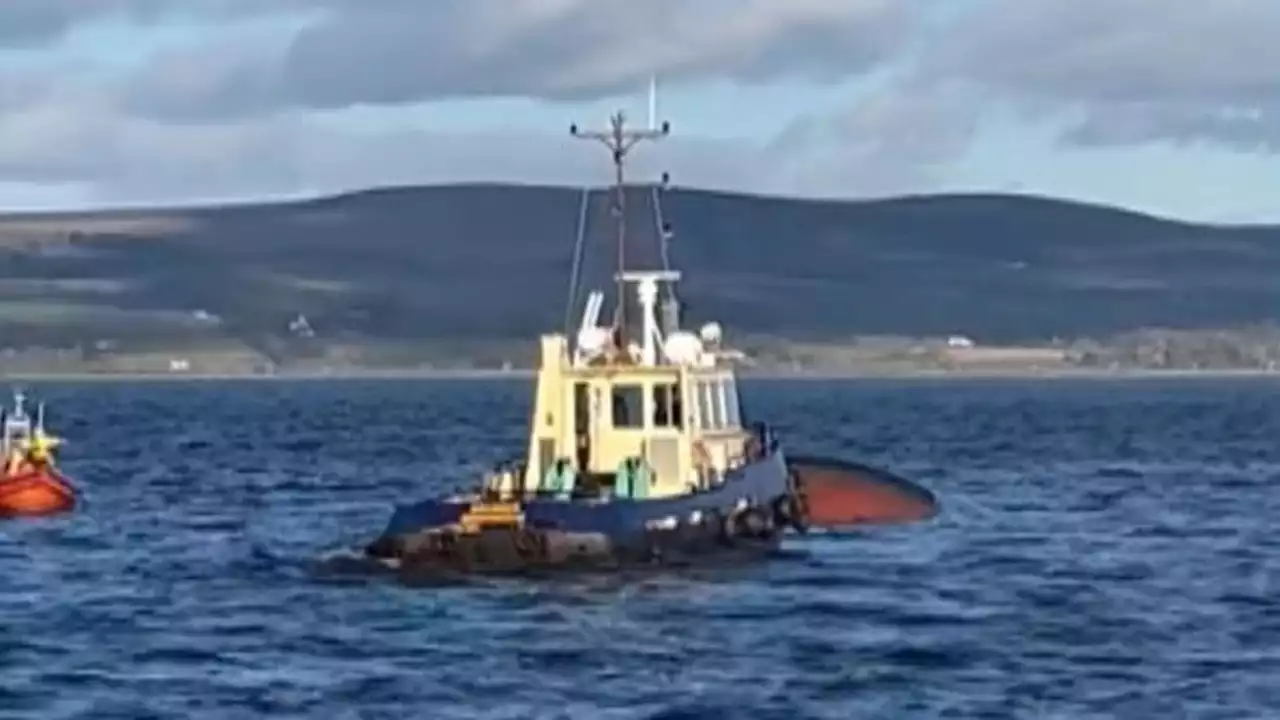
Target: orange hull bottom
column 842, row 493
column 34, row 493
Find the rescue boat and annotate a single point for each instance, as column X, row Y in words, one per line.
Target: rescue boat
column 638, row 448
column 30, row 483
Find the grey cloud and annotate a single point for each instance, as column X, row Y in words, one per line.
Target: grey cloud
column 1127, row 68
column 239, row 133
column 129, row 159
column 221, row 117
column 894, row 141
column 396, row 51
column 29, row 23
column 1131, row 70
column 20, row 89
column 204, row 83
column 1248, row 130
column 34, row 23
column 1113, row 72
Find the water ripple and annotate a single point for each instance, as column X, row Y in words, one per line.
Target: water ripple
column 1106, row 550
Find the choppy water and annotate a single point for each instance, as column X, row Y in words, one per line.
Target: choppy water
column 1106, row 549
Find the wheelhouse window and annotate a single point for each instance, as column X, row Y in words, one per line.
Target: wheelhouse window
column 718, row 407
column 628, row 406
column 668, row 410
column 732, row 413
column 710, row 409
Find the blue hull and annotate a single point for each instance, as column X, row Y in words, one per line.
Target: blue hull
column 622, row 521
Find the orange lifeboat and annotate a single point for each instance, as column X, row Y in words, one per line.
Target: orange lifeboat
column 33, row 492
column 30, row 484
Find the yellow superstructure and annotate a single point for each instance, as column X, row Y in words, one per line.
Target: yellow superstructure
column 668, row 404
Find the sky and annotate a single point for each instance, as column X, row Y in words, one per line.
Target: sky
column 1170, row 107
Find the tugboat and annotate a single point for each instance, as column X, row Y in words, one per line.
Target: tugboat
column 30, row 484
column 637, row 448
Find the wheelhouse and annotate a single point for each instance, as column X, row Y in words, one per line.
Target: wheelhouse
column 655, row 419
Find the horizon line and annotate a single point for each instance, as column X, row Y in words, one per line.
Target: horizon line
column 283, row 199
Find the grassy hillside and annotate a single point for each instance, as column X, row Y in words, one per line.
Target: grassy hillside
column 477, row 262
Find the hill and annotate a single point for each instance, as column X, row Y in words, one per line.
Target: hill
column 477, row 263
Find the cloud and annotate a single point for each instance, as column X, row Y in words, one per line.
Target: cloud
column 19, row 90
column 25, row 23
column 126, row 159
column 396, row 52
column 237, row 109
column 894, row 141
column 35, row 23
column 1243, row 128
column 1121, row 72
column 232, row 113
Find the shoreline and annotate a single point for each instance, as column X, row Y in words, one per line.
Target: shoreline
column 749, row 375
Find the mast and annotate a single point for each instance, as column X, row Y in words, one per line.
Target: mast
column 653, row 102
column 620, row 140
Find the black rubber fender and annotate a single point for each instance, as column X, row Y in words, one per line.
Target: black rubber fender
column 781, row 508
column 753, row 522
column 717, row 523
column 387, row 547
column 799, row 508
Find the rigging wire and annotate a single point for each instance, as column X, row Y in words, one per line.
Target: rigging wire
column 578, row 249
column 663, row 235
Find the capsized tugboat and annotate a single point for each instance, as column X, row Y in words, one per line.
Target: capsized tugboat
column 637, row 449
column 30, row 484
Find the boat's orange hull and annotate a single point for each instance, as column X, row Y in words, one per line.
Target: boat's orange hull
column 32, row 493
column 842, row 493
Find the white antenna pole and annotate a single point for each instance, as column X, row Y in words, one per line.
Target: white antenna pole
column 653, row 102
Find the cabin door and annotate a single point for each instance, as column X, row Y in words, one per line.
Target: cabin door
column 582, row 426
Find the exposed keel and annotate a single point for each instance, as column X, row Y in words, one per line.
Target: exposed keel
column 840, row 493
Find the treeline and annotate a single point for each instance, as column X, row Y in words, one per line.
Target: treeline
column 1251, row 347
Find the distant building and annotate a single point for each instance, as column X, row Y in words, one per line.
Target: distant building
column 299, row 326
column 205, row 316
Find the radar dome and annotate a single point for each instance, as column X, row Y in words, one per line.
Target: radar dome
column 711, row 333
column 683, row 348
column 592, row 340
